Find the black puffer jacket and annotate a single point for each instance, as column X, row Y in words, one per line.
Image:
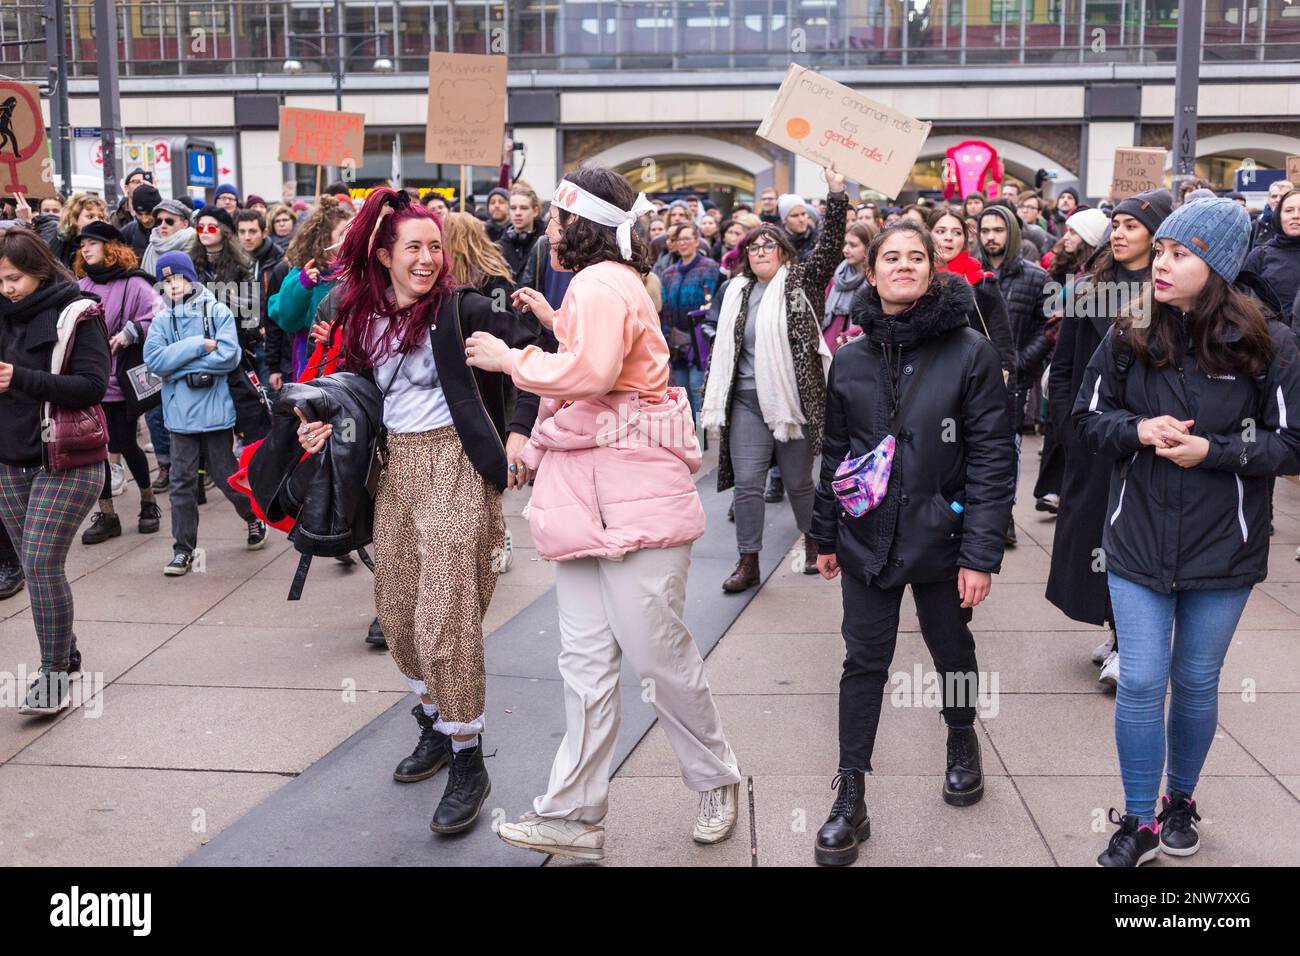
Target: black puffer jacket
column 326, row 494
column 1277, row 262
column 1171, row 528
column 955, row 444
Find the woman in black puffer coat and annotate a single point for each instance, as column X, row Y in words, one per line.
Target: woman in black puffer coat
column 940, row 527
column 1277, row 261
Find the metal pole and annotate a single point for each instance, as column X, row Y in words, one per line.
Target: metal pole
column 57, row 56
column 110, row 102
column 338, row 49
column 1187, row 81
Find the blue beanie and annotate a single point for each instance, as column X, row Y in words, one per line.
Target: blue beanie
column 175, row 263
column 226, row 188
column 1217, row 230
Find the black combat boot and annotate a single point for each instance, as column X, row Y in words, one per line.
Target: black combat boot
column 467, row 788
column 430, row 754
column 963, row 784
column 848, row 824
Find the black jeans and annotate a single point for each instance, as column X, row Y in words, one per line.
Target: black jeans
column 870, row 633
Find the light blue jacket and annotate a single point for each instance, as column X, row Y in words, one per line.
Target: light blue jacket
column 174, row 348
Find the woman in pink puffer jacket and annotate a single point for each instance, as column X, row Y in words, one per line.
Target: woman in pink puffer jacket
column 614, row 505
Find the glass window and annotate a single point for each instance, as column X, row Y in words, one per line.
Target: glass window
column 470, row 27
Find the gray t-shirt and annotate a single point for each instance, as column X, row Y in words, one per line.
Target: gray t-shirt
column 745, row 380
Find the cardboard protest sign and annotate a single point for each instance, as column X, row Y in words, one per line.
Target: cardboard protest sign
column 322, row 137
column 466, row 125
column 1137, row 169
column 1293, row 169
column 25, row 164
column 826, row 121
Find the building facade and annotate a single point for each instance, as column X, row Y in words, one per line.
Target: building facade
column 671, row 91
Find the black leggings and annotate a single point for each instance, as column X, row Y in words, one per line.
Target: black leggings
column 121, row 440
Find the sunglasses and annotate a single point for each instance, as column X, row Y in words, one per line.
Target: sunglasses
column 207, row 229
column 167, row 221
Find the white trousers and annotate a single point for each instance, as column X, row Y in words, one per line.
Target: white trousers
column 633, row 607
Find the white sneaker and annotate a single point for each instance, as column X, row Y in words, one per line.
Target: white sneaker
column 1110, row 670
column 567, row 838
column 717, row 814
column 119, row 478
column 505, row 555
column 1102, row 650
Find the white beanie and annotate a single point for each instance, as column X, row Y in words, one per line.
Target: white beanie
column 1090, row 224
column 788, row 203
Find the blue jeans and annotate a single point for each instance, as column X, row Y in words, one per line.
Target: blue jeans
column 159, row 435
column 691, row 379
column 1201, row 624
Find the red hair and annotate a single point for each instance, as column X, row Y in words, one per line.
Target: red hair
column 366, row 282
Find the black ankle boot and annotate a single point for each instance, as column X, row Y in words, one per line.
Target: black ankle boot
column 848, row 824
column 375, row 636
column 430, row 754
column 963, row 784
column 467, row 787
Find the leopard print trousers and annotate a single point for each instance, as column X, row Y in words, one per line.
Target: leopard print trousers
column 438, row 531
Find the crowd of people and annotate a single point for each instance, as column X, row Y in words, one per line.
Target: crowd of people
column 877, row 366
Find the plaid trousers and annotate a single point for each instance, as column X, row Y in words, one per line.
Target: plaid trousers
column 41, row 512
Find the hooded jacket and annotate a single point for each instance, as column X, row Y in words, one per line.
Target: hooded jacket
column 613, row 476
column 988, row 315
column 955, row 444
column 28, row 331
column 1170, row 528
column 174, row 348
column 1024, row 291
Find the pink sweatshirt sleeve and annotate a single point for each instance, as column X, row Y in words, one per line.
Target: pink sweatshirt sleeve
column 590, row 329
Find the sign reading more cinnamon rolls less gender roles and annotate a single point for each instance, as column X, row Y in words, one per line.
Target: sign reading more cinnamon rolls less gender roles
column 467, row 109
column 825, row 121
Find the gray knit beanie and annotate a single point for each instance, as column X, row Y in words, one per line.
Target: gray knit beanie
column 1217, row 230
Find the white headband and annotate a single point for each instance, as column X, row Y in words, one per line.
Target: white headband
column 574, row 199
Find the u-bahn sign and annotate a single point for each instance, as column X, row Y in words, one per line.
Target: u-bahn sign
column 25, row 164
column 827, row 122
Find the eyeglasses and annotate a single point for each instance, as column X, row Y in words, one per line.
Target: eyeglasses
column 209, row 229
column 167, row 221
column 762, row 247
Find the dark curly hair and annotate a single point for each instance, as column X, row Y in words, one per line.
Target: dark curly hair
column 585, row 243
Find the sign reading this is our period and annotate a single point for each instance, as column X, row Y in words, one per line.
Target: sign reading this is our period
column 321, row 137
column 467, row 109
column 1137, row 169
column 827, row 122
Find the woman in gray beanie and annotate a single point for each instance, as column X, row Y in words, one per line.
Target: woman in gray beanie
column 1165, row 397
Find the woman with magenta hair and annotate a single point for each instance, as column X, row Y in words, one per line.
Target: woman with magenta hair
column 615, row 507
column 448, row 453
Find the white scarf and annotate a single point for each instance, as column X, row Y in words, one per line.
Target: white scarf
column 180, row 239
column 778, row 392
column 574, row 199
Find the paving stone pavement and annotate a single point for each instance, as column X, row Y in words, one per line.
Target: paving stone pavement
column 209, row 693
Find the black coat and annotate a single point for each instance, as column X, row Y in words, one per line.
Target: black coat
column 955, row 444
column 988, row 317
column 137, row 237
column 28, row 331
column 1076, row 582
column 1277, row 262
column 1169, row 528
column 516, row 246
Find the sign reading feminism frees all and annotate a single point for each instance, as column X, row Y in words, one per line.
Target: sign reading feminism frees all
column 321, row 137
column 25, row 165
column 827, row 122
